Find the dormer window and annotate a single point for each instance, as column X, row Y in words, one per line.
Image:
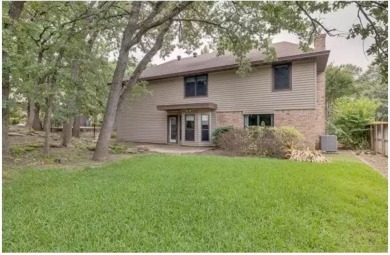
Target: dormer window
column 282, row 77
column 195, row 86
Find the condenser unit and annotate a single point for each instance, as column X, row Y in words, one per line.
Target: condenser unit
column 328, row 143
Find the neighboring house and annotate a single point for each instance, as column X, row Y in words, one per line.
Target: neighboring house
column 192, row 96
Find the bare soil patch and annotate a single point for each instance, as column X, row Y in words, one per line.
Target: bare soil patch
column 377, row 161
column 27, row 151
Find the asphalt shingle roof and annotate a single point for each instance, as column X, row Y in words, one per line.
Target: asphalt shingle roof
column 210, row 61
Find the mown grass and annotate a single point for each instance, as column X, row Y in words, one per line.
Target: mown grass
column 161, row 203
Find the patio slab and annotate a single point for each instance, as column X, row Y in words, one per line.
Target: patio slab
column 173, row 148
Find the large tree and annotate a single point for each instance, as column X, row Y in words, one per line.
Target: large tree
column 62, row 58
column 9, row 20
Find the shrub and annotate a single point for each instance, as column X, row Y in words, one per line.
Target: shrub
column 260, row 141
column 118, row 148
column 290, row 137
column 16, row 116
column 350, row 119
column 19, row 150
column 218, row 132
column 307, row 155
column 233, row 141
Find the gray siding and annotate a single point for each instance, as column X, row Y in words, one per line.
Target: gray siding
column 140, row 121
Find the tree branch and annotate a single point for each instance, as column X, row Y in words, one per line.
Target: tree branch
column 315, row 21
column 377, row 42
column 178, row 9
column 157, row 8
column 143, row 63
column 201, row 21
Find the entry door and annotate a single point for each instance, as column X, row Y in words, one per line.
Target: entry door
column 172, row 129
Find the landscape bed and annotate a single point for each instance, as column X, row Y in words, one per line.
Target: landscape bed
column 161, row 203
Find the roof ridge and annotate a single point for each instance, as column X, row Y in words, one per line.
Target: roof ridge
column 209, row 53
column 209, row 61
column 185, row 58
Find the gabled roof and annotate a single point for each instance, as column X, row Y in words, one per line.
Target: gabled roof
column 285, row 51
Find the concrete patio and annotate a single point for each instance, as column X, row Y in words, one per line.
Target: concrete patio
column 173, row 148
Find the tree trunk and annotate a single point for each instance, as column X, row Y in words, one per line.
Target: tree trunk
column 102, row 145
column 46, row 126
column 67, row 132
column 14, row 12
column 16, row 9
column 37, row 123
column 76, row 127
column 143, row 63
column 115, row 99
column 101, row 151
column 129, row 39
column 5, row 108
column 30, row 114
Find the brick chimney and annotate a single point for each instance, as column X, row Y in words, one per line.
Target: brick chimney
column 320, row 42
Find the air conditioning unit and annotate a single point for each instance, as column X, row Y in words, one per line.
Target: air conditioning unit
column 328, row 143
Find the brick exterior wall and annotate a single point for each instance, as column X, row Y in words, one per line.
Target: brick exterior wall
column 235, row 119
column 321, row 105
column 311, row 123
column 319, row 42
column 303, row 120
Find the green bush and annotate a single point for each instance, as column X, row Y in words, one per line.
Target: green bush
column 19, row 150
column 350, row 119
column 260, row 141
column 218, row 132
column 290, row 136
column 118, row 148
column 16, row 116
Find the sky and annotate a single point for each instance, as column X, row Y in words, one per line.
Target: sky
column 343, row 51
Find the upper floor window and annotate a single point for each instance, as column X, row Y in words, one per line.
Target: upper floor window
column 195, row 86
column 282, row 77
column 259, row 120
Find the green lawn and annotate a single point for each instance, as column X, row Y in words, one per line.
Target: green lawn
column 160, row 203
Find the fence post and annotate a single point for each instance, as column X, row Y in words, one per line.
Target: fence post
column 383, row 140
column 372, row 137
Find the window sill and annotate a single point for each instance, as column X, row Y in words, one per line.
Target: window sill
column 277, row 90
column 194, row 97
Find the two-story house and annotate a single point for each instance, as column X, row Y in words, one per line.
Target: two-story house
column 192, row 96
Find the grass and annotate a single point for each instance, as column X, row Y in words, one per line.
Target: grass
column 160, row 203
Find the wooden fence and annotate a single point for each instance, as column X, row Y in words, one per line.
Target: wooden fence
column 379, row 138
